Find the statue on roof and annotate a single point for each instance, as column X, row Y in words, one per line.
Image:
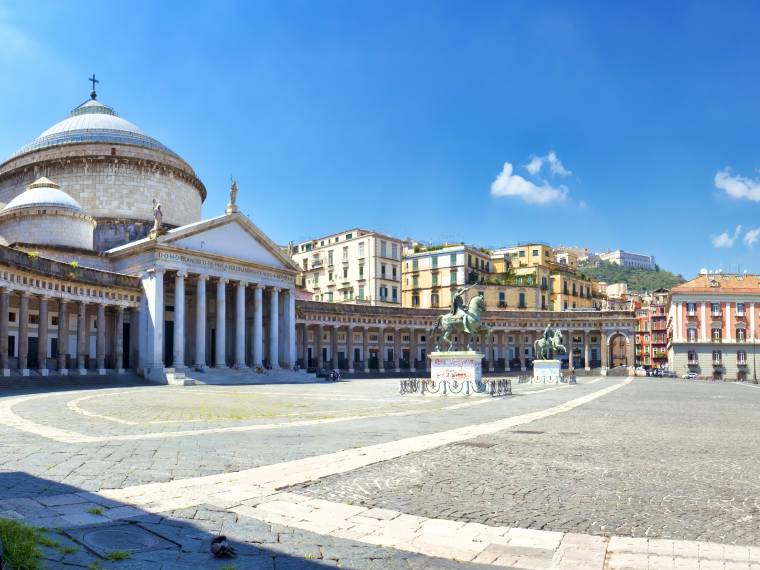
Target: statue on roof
column 158, row 218
column 232, row 206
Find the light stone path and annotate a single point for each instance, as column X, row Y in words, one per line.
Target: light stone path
column 256, row 494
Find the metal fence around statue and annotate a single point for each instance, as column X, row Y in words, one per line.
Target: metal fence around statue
column 422, row 386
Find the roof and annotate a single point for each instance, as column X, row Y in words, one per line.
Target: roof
column 43, row 192
column 720, row 283
column 92, row 121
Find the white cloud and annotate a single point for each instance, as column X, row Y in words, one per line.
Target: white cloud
column 739, row 187
column 751, row 236
column 725, row 239
column 509, row 184
column 555, row 165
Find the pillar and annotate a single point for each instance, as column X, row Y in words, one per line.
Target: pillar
column 365, row 348
column 118, row 341
column 521, row 350
column 413, row 350
column 397, row 349
column 587, row 350
column 42, row 336
column 629, row 354
column 350, row 348
column 334, row 347
column 100, row 340
column 153, row 285
column 381, row 350
column 23, row 334
column 221, row 324
column 63, row 336
column 305, row 345
column 604, row 348
column 179, row 320
column 4, row 309
column 258, row 327
column 290, row 314
column 274, row 328
column 240, row 324
column 569, row 347
column 200, row 323
column 82, row 337
column 319, row 333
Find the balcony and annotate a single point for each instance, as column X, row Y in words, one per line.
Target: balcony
column 692, row 361
column 717, row 361
column 717, row 313
column 741, row 363
column 522, row 306
column 316, row 263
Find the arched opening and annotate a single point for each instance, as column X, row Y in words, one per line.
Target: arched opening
column 618, row 350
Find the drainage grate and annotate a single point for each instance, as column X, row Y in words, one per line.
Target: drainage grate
column 104, row 539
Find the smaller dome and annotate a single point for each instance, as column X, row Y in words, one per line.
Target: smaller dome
column 43, row 193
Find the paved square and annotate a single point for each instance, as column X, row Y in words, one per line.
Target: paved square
column 609, row 473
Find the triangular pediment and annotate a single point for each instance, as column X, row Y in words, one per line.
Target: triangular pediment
column 232, row 236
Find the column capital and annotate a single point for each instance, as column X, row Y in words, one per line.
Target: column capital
column 201, row 277
column 274, row 289
column 258, row 286
column 26, row 294
column 45, row 297
column 156, row 271
column 222, row 281
column 243, row 284
column 182, row 273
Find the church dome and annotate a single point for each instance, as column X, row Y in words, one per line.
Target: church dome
column 43, row 193
column 92, row 121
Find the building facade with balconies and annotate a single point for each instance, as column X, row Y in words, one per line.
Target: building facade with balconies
column 712, row 326
column 354, row 266
column 651, row 336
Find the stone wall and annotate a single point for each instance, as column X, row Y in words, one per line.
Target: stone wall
column 50, row 228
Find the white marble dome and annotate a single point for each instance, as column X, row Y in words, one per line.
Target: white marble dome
column 44, row 215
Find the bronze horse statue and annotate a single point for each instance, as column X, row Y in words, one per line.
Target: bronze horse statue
column 465, row 321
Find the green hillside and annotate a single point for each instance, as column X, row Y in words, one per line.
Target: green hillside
column 638, row 280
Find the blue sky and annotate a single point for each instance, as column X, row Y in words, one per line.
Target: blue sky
column 609, row 124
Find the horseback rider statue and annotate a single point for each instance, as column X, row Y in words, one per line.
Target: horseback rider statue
column 549, row 345
column 457, row 301
column 463, row 318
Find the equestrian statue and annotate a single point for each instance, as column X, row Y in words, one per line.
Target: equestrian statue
column 462, row 318
column 549, row 345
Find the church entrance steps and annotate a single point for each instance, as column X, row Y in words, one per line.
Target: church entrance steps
column 176, row 378
column 56, row 380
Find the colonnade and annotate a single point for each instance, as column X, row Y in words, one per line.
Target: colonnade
column 248, row 333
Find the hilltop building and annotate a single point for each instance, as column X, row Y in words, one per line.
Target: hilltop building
column 628, row 259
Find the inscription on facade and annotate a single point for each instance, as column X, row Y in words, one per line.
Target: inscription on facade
column 215, row 266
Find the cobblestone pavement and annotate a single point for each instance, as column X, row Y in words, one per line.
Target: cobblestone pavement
column 662, row 458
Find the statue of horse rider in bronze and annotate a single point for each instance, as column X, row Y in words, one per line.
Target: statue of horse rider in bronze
column 457, row 302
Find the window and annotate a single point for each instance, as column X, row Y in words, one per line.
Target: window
column 521, row 302
column 361, row 293
column 329, row 257
column 453, row 277
column 330, row 296
column 34, row 319
column 717, row 356
column 383, row 293
column 544, row 284
column 415, row 300
column 316, row 279
column 349, row 236
column 382, row 270
column 383, row 249
column 394, row 251
column 741, row 356
column 469, row 260
column 345, row 273
column 716, row 309
column 716, row 334
column 740, row 335
column 415, row 264
column 453, row 259
column 361, row 249
column 54, row 321
column 434, row 300
column 345, row 253
column 535, row 253
column 361, row 271
column 11, row 317
column 434, row 278
column 740, row 309
column 691, row 309
column 415, row 281
column 522, row 253
column 393, row 272
column 691, row 334
column 502, row 299
column 434, row 262
column 330, row 276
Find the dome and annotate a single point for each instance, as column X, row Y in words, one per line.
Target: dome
column 43, row 192
column 92, row 121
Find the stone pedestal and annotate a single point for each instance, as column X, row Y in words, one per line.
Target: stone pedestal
column 461, row 365
column 547, row 371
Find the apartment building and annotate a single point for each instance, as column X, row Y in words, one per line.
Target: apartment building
column 354, row 266
column 712, row 326
column 651, row 330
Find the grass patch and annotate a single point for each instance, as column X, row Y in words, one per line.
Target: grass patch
column 117, row 555
column 95, row 511
column 94, row 566
column 68, row 549
column 228, row 567
column 45, row 541
column 20, row 545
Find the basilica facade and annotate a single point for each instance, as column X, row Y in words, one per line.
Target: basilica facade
column 92, row 278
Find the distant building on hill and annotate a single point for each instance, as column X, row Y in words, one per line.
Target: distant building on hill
column 628, row 259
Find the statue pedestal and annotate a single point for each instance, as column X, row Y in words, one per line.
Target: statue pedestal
column 547, row 371
column 460, row 365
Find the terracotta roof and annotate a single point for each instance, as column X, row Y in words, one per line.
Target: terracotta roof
column 720, row 283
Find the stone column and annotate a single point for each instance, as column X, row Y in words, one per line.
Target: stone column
column 200, row 323
column 430, row 347
column 629, row 361
column 82, row 337
column 42, row 336
column 257, row 335
column 319, row 334
column 100, row 340
column 350, row 348
column 397, row 349
column 63, row 336
column 274, row 328
column 179, row 320
column 221, row 324
column 381, row 350
column 240, row 325
column 305, row 343
column 491, row 356
column 365, row 348
column 118, row 340
column 290, row 313
column 23, row 334
column 334, row 347
column 412, row 350
column 521, row 350
column 587, row 350
column 604, row 349
column 4, row 309
column 569, row 349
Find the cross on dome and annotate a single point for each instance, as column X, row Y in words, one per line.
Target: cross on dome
column 93, row 95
